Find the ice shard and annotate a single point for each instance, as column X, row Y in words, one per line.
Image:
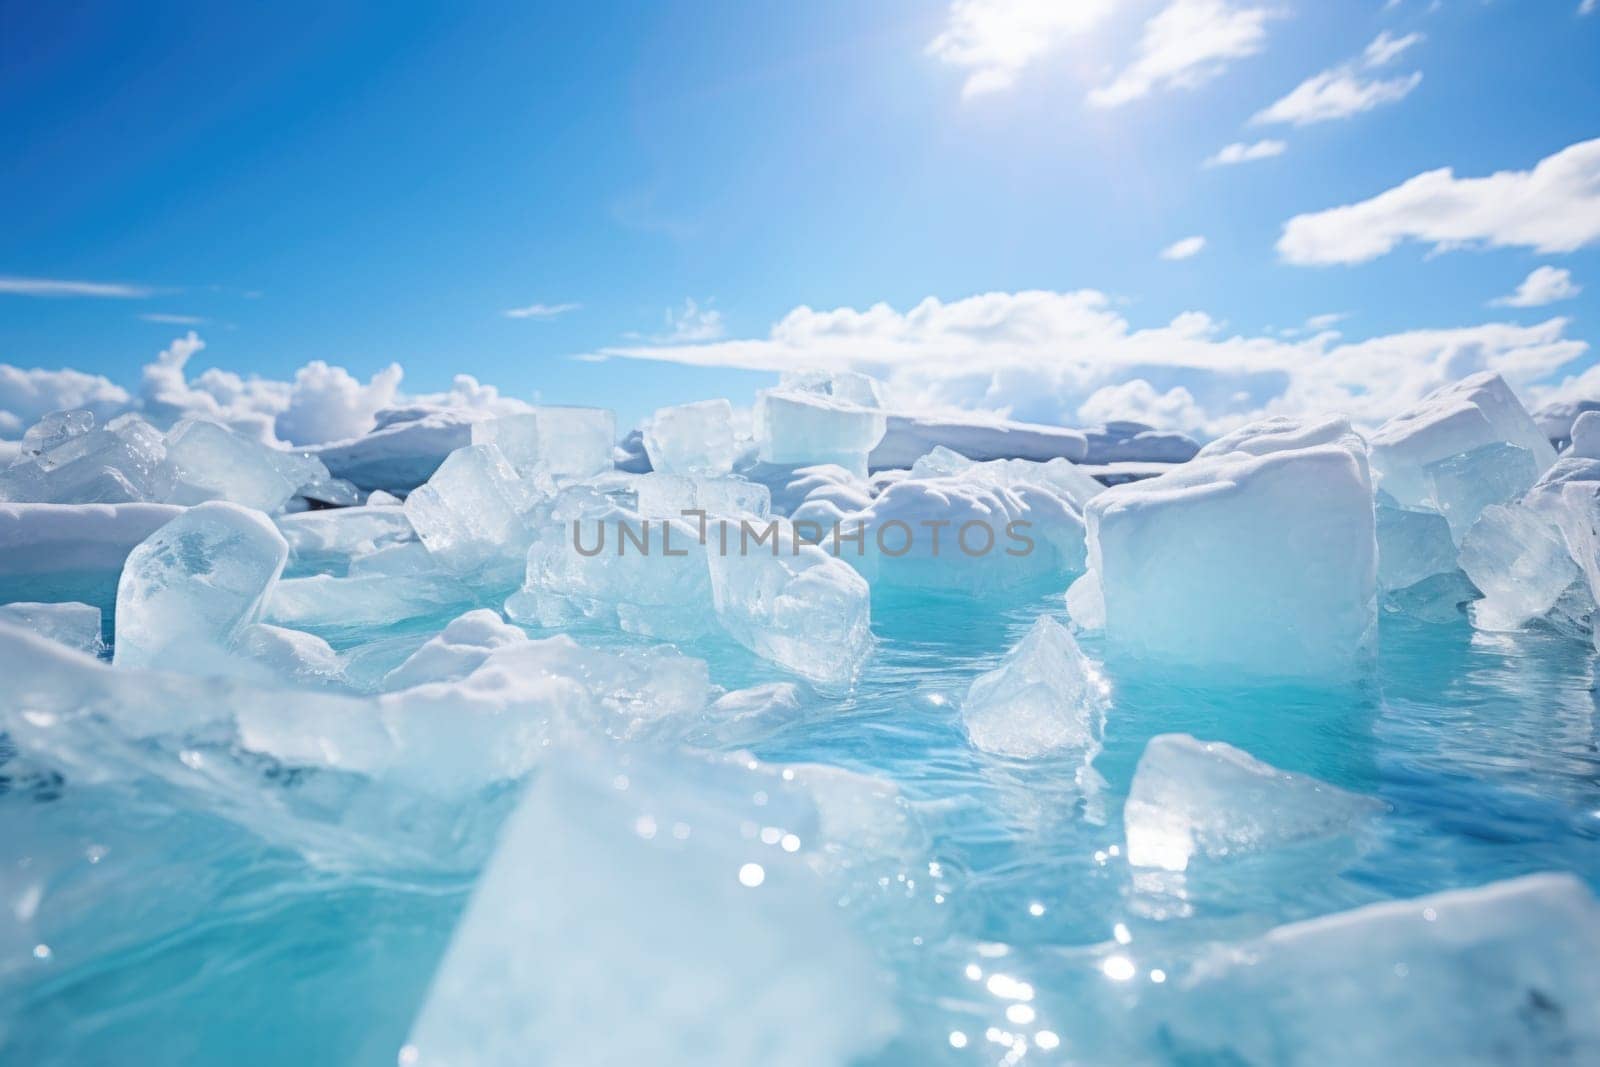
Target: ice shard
column 1208, row 799
column 627, row 917
column 189, row 589
column 1500, row 974
column 1045, row 697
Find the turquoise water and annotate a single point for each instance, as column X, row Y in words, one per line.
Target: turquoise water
column 180, row 934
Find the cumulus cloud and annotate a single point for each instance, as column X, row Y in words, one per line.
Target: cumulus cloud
column 15, row 286
column 1137, row 400
column 1347, row 90
column 994, row 40
column 321, row 403
column 1044, row 356
column 329, row 404
column 26, row 395
column 248, row 405
column 1555, row 207
column 540, row 311
column 1239, row 152
column 466, row 393
column 1545, row 285
column 1185, row 44
column 1187, row 248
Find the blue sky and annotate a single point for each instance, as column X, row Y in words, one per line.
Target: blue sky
column 362, row 187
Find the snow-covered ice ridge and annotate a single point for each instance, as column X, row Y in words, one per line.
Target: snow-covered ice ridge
column 516, row 666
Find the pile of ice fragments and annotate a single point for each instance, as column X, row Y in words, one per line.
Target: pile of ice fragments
column 540, row 608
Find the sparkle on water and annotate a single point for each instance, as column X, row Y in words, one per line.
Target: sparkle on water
column 1036, row 939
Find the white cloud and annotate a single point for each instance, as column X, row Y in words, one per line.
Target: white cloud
column 1545, row 285
column 466, row 393
column 322, row 403
column 540, row 311
column 1185, row 44
column 994, row 40
column 248, row 405
column 26, row 395
column 1345, row 90
column 1336, row 94
column 1044, row 356
column 691, row 323
column 57, row 287
column 1136, row 400
column 329, row 404
column 1555, row 207
column 1239, row 152
column 1589, row 7
column 172, row 320
column 1386, row 48
column 1326, row 322
column 1184, row 249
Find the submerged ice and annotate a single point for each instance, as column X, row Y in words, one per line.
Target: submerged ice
column 1209, row 799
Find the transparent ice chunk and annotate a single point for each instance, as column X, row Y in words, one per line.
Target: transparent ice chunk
column 1045, row 697
column 189, row 589
column 1461, row 486
column 792, row 603
column 628, row 894
column 1499, row 974
column 695, row 439
column 473, row 510
column 1413, row 544
column 517, row 437
column 575, row 442
column 798, row 428
column 72, row 624
column 1477, row 410
column 1520, row 563
column 1208, row 799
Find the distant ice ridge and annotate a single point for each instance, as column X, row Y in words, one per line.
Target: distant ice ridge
column 401, row 452
column 1206, row 798
column 710, row 941
column 78, row 539
column 982, row 438
column 65, row 459
column 1500, row 974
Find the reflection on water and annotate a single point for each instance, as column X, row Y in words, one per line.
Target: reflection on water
column 1018, row 932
